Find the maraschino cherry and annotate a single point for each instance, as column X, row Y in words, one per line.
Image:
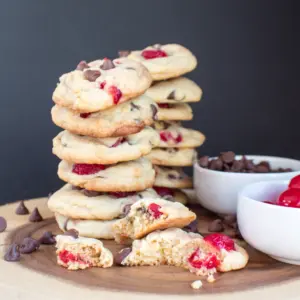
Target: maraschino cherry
column 290, row 198
column 295, row 182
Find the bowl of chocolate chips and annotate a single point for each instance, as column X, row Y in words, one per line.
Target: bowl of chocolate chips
column 218, row 180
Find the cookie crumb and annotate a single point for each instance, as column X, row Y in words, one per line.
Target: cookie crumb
column 211, row 279
column 196, row 285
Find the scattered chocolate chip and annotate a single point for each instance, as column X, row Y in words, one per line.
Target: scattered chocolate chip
column 13, row 253
column 227, row 157
column 154, row 111
column 204, row 161
column 3, row 224
column 171, row 96
column 82, row 65
column 216, row 164
column 91, row 193
column 216, row 226
column 172, row 176
column 22, row 209
column 134, row 106
column 107, row 64
column 72, row 232
column 229, row 219
column 120, row 256
column 124, row 53
column 47, row 238
column 29, row 245
column 192, row 227
column 35, row 216
column 91, row 75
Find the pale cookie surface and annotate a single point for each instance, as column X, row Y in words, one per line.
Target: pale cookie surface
column 81, row 253
column 136, row 175
column 175, row 90
column 83, row 149
column 172, row 177
column 78, row 203
column 96, row 229
column 124, row 119
column 175, row 157
column 172, row 134
column 176, row 112
column 151, row 214
column 171, row 194
column 174, row 60
column 101, row 84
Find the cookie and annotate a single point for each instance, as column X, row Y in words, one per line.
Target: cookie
column 151, row 214
column 175, row 90
column 165, row 61
column 178, row 111
column 101, row 84
column 172, row 134
column 189, row 250
column 83, row 149
column 82, row 253
column 136, row 175
column 171, row 194
column 87, row 228
column 121, row 120
column 176, row 157
column 172, row 177
column 77, row 203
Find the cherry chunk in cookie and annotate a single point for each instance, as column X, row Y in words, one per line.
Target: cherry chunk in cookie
column 101, row 84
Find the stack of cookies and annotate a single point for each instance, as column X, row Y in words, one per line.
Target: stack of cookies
column 106, row 120
column 176, row 148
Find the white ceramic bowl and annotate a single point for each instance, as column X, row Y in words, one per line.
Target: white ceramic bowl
column 272, row 229
column 218, row 191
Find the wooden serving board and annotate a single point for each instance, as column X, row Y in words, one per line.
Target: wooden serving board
column 261, row 274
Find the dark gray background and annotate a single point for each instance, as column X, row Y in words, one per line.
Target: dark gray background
column 248, row 68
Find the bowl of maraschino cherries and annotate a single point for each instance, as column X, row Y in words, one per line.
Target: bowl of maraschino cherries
column 268, row 215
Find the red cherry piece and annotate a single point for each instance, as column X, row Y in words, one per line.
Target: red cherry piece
column 150, row 54
column 210, row 261
column 166, row 136
column 295, row 182
column 290, row 198
column 154, row 208
column 122, row 194
column 116, row 93
column 119, row 141
column 220, row 241
column 66, row 256
column 163, row 191
column 102, row 85
column 85, row 115
column 87, row 169
column 163, row 105
column 178, row 139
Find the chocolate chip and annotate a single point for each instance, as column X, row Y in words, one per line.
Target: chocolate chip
column 216, row 226
column 192, row 227
column 47, row 238
column 171, row 96
column 72, row 232
column 204, row 161
column 227, row 157
column 35, row 216
column 22, row 209
column 120, row 256
column 172, row 176
column 125, row 210
column 107, row 64
column 170, row 150
column 134, row 106
column 91, row 193
column 76, row 188
column 229, row 219
column 29, row 245
column 3, row 224
column 124, row 53
column 82, row 65
column 91, row 75
column 237, row 166
column 13, row 253
column 154, row 111
column 216, row 164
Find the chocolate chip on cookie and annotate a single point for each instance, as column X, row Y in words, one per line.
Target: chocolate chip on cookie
column 13, row 253
column 73, row 233
column 29, row 245
column 134, row 106
column 35, row 216
column 47, row 238
column 82, row 65
column 192, row 227
column 107, row 64
column 22, row 209
column 91, row 193
column 124, row 53
column 120, row 256
column 91, row 75
column 126, row 210
column 216, row 226
column 154, row 111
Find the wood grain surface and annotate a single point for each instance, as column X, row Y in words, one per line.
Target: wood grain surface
column 261, row 271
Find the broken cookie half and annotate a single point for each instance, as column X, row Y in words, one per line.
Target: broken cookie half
column 151, row 214
column 81, row 253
